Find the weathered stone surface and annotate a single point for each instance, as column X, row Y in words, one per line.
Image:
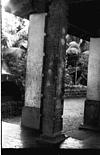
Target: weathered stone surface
column 31, row 111
column 31, row 117
column 51, row 126
column 52, row 101
column 93, row 84
column 35, row 60
column 92, row 113
column 92, row 104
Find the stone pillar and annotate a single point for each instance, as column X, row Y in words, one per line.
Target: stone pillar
column 92, row 103
column 31, row 110
column 52, row 86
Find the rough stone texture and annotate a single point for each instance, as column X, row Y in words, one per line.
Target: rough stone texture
column 92, row 104
column 92, row 113
column 93, row 84
column 74, row 91
column 52, row 86
column 30, row 117
column 35, row 60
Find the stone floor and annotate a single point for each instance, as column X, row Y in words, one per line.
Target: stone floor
column 15, row 136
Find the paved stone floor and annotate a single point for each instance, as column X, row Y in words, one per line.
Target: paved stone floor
column 14, row 136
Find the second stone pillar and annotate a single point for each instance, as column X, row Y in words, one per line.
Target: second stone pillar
column 92, row 103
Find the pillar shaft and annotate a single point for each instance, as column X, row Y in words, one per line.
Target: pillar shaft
column 55, row 50
column 93, row 85
column 31, row 111
column 92, row 103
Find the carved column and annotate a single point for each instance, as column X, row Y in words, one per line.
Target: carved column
column 53, row 69
column 31, row 110
column 92, row 103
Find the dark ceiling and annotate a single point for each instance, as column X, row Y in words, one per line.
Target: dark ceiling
column 84, row 15
column 84, row 18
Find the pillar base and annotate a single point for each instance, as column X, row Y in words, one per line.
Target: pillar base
column 92, row 113
column 91, row 116
column 87, row 127
column 56, row 139
column 31, row 117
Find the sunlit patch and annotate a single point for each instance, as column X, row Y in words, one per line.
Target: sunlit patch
column 4, row 2
column 71, row 143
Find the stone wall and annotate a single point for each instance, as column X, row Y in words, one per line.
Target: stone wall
column 75, row 91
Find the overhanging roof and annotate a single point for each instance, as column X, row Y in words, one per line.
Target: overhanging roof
column 83, row 16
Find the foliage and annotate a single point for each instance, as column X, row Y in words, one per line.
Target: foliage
column 4, row 41
column 13, row 30
column 17, row 65
column 15, row 34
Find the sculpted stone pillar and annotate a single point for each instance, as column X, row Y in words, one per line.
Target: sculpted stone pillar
column 92, row 103
column 31, row 110
column 52, row 86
